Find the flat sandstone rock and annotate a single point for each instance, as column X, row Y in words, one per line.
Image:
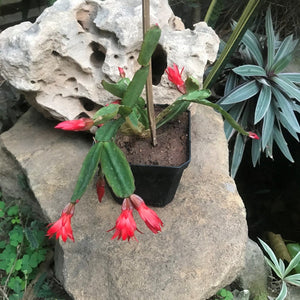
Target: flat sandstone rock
column 200, row 249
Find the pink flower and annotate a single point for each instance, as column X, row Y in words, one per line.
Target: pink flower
column 62, row 227
column 76, row 125
column 148, row 215
column 175, row 77
column 100, row 187
column 122, row 72
column 253, row 135
column 125, row 224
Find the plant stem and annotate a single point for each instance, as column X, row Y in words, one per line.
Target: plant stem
column 149, row 93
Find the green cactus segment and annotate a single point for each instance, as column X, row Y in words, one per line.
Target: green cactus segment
column 195, row 95
column 117, row 170
column 118, row 89
column 191, row 84
column 88, row 170
column 171, row 112
column 135, row 87
column 149, row 45
column 108, row 130
column 106, row 113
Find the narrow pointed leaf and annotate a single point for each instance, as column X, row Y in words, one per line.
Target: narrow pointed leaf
column 116, row 170
column 270, row 38
column 136, row 87
column 255, row 151
column 118, row 89
column 213, row 12
column 294, row 77
column 263, row 103
column 273, row 267
column 281, row 64
column 238, row 151
column 235, row 113
column 241, row 93
column 293, row 279
column 231, row 83
column 283, row 292
column 88, row 170
column 150, row 42
column 287, row 125
column 287, row 86
column 293, row 263
column 282, row 144
column 249, row 70
column 268, row 126
column 285, row 49
column 294, row 249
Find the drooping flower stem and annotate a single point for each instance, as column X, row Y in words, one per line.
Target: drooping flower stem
column 149, row 93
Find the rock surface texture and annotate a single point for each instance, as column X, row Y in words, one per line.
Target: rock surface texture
column 203, row 242
column 60, row 60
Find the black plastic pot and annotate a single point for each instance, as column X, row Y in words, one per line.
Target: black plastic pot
column 157, row 185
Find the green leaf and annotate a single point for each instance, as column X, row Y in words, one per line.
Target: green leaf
column 88, row 170
column 191, row 84
column 109, row 130
column 117, row 89
column 255, row 151
column 150, row 42
column 2, row 205
column 136, row 87
column 270, row 39
column 26, row 267
column 235, row 113
column 13, row 211
column 241, row 93
column 295, row 262
column 106, row 113
column 293, row 279
column 294, row 249
column 238, row 151
column 283, row 292
column 31, row 237
column 282, row 144
column 16, row 235
column 231, row 83
column 281, row 64
column 287, row 86
column 232, row 43
column 250, row 70
column 252, row 43
column 281, row 117
column 268, row 126
column 213, row 12
column 15, row 283
column 294, row 77
column 117, row 170
column 263, row 103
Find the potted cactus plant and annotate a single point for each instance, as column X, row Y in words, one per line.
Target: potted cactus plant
column 129, row 116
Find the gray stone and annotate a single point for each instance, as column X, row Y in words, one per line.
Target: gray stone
column 60, row 60
column 203, row 242
column 254, row 276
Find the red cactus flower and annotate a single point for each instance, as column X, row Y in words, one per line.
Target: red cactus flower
column 100, row 187
column 175, row 77
column 125, row 224
column 148, row 215
column 253, row 135
column 76, row 125
column 62, row 227
column 122, row 72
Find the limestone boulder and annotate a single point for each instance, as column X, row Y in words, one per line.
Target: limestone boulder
column 60, row 60
column 203, row 242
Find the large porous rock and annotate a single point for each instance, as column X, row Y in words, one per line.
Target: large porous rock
column 201, row 247
column 60, row 60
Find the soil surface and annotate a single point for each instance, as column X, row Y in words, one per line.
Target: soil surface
column 172, row 148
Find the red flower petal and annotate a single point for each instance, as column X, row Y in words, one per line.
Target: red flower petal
column 175, row 77
column 253, row 135
column 76, row 125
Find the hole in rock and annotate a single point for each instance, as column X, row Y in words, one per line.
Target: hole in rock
column 87, row 103
column 98, row 56
column 116, row 56
column 131, row 57
column 82, row 115
column 159, row 64
column 55, row 53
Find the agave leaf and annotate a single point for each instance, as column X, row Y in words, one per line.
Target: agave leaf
column 293, row 263
column 231, row 83
column 294, row 77
column 232, row 43
column 263, row 103
column 255, row 151
column 285, row 49
column 281, row 64
column 287, row 86
column 268, row 126
column 293, row 279
column 238, row 151
column 281, row 117
column 241, row 93
column 270, row 39
column 283, row 292
column 282, row 144
column 286, row 109
column 250, row 70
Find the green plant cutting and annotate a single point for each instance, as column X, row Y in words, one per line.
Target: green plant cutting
column 129, row 116
column 260, row 96
column 283, row 273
